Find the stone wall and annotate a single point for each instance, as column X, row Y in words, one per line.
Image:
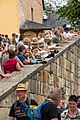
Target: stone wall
column 61, row 71
column 25, row 10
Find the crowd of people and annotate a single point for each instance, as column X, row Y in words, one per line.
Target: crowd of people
column 52, row 110
column 20, row 50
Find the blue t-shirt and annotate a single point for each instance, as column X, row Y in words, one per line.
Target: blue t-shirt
column 21, row 57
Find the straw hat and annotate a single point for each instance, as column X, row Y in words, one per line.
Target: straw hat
column 21, row 86
column 41, row 44
column 48, row 37
column 35, row 39
column 26, row 39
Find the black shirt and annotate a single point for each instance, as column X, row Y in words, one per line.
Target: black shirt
column 18, row 113
column 49, row 111
column 59, row 111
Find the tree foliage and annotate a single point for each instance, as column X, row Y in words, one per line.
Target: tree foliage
column 71, row 11
column 51, row 5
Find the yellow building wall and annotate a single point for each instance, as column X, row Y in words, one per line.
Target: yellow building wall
column 9, row 22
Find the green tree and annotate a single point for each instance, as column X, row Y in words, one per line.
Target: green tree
column 71, row 11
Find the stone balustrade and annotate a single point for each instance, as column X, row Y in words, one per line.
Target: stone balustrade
column 61, row 71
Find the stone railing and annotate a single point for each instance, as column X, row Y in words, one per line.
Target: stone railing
column 61, row 71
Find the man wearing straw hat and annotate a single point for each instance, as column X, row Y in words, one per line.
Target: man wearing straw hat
column 16, row 111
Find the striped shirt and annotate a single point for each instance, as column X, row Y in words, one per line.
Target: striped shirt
column 67, row 116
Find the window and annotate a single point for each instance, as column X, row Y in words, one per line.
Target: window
column 32, row 14
column 38, row 1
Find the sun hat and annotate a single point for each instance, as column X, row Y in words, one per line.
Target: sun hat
column 35, row 39
column 48, row 37
column 21, row 86
column 41, row 44
column 26, row 40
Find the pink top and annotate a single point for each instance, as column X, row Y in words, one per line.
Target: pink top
column 9, row 66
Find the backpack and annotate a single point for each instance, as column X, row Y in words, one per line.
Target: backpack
column 33, row 113
column 16, row 103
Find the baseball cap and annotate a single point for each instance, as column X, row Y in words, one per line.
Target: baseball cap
column 21, row 86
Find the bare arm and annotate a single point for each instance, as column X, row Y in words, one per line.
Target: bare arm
column 18, row 67
column 21, row 64
column 27, row 61
column 4, row 75
column 33, row 57
column 5, row 50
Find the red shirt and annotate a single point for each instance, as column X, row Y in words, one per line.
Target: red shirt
column 9, row 66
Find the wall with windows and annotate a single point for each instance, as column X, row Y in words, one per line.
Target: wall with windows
column 31, row 10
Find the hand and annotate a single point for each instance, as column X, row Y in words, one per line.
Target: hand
column 7, row 75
